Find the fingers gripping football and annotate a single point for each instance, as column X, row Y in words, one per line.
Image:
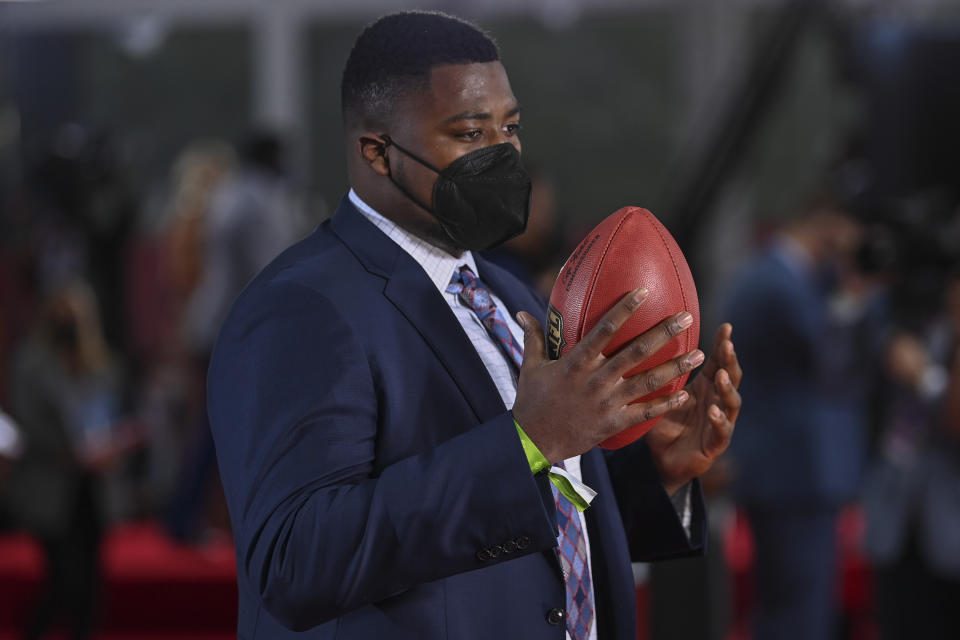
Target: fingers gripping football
column 569, row 405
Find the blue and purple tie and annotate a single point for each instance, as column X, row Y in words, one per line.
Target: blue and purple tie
column 573, row 560
column 475, row 295
column 573, row 549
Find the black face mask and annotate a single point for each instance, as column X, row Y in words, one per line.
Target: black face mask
column 481, row 199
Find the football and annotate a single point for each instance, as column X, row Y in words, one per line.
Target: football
column 629, row 249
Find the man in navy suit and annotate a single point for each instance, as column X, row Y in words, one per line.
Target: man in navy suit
column 390, row 466
column 802, row 435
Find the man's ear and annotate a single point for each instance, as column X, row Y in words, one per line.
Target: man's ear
column 373, row 150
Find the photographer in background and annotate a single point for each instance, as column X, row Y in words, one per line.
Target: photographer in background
column 912, row 502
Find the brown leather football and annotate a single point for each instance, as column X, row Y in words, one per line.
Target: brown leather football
column 629, row 249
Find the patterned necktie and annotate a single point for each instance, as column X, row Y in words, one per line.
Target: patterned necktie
column 573, row 548
column 476, row 296
column 573, row 560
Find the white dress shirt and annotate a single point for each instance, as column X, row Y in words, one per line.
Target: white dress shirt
column 440, row 267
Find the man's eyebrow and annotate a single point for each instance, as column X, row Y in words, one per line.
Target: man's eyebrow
column 474, row 115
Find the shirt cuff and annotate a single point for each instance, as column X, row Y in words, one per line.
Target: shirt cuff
column 681, row 503
column 579, row 494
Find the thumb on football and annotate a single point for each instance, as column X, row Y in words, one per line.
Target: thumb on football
column 534, row 347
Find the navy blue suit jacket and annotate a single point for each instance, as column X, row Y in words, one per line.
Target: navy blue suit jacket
column 368, row 461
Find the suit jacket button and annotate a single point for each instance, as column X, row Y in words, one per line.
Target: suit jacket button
column 523, row 542
column 484, row 555
column 510, row 546
column 556, row 616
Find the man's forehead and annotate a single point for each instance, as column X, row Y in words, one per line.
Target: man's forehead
column 461, row 89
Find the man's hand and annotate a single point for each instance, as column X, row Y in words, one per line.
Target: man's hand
column 685, row 442
column 567, row 406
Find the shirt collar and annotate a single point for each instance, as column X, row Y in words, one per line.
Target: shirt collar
column 437, row 263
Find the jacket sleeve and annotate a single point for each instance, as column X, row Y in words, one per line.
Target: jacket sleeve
column 653, row 526
column 294, row 413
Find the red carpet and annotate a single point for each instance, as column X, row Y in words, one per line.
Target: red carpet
column 154, row 588
column 157, row 589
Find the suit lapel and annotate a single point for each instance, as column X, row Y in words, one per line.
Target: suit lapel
column 411, row 291
column 413, row 294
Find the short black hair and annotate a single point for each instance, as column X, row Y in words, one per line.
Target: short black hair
column 396, row 53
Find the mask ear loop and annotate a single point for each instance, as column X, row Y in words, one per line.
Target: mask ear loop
column 389, row 142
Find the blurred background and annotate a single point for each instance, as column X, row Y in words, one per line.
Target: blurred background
column 154, row 154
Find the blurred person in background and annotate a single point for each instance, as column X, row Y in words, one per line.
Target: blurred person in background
column 249, row 219
column 801, row 440
column 87, row 208
column 198, row 172
column 912, row 499
column 66, row 395
column 173, row 399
